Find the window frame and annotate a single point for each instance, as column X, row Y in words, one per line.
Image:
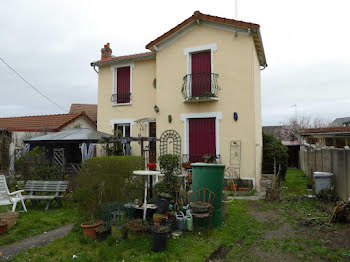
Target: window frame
column 114, row 69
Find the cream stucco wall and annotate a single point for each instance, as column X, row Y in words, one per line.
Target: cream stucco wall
column 239, row 79
column 235, row 62
column 81, row 123
column 143, row 100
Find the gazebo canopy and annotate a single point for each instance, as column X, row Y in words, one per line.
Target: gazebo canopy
column 75, row 135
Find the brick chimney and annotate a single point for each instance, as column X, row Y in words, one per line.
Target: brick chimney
column 106, row 52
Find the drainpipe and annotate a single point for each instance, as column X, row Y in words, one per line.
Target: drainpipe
column 94, row 66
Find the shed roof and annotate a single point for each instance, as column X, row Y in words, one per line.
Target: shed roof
column 71, row 135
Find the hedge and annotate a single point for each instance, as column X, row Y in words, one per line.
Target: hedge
column 108, row 179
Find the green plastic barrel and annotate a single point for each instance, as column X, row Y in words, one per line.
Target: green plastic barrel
column 210, row 176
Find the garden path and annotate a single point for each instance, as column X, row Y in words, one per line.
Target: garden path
column 9, row 251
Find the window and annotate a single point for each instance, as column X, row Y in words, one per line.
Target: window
column 123, row 128
column 122, row 84
column 201, row 73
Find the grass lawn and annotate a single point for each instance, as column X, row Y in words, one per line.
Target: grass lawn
column 293, row 229
column 37, row 221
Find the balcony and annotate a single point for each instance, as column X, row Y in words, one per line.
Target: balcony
column 200, row 87
column 121, row 98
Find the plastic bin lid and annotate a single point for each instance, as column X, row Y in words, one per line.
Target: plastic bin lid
column 207, row 165
column 323, row 174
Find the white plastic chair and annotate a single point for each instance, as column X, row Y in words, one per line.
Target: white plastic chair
column 7, row 198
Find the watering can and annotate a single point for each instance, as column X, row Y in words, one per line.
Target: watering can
column 189, row 221
column 180, row 221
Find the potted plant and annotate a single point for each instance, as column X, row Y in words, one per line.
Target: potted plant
column 157, row 219
column 89, row 228
column 10, row 218
column 3, row 227
column 135, row 228
column 160, row 237
column 163, row 202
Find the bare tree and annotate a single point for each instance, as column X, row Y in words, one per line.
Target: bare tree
column 289, row 130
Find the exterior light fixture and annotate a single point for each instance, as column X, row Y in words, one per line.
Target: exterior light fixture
column 235, row 116
column 156, row 108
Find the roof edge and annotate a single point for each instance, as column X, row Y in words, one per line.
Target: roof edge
column 116, row 59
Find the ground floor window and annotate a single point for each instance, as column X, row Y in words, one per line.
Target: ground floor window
column 123, row 128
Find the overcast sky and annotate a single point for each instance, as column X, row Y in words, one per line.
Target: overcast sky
column 51, row 43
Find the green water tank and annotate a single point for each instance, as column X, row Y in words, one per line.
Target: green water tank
column 210, row 176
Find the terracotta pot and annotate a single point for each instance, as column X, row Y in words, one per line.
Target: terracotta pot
column 157, row 220
column 233, row 187
column 186, row 165
column 10, row 218
column 243, row 189
column 3, row 227
column 89, row 229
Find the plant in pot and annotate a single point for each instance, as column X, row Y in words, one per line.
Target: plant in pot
column 163, row 202
column 168, row 188
column 135, row 228
column 200, row 207
column 160, row 236
column 157, row 219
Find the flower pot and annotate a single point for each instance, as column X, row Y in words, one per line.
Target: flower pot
column 3, row 227
column 89, row 229
column 233, row 187
column 160, row 241
column 151, row 166
column 157, row 219
column 186, row 165
column 243, row 189
column 163, row 204
column 10, row 218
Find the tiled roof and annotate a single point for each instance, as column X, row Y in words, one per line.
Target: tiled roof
column 341, row 121
column 198, row 15
column 342, row 129
column 41, row 123
column 89, row 109
column 122, row 58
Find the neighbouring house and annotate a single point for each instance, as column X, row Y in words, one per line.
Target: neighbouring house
column 293, row 145
column 343, row 121
column 201, row 79
column 89, row 109
column 26, row 127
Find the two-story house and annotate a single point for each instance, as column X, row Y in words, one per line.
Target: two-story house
column 201, row 79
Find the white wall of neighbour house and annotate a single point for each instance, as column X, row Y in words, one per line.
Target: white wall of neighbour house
column 19, row 136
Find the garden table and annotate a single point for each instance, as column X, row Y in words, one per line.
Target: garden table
column 147, row 174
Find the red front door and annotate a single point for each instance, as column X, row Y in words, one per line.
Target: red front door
column 201, row 73
column 201, row 138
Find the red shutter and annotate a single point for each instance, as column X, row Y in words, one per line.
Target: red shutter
column 201, row 138
column 201, row 73
column 123, row 84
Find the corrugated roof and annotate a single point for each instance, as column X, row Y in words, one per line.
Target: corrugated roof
column 330, row 130
column 41, row 123
column 75, row 134
column 89, row 109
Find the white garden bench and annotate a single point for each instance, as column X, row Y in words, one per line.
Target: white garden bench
column 7, row 198
column 54, row 188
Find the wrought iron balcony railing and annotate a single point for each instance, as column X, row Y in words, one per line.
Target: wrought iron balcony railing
column 193, row 158
column 200, row 87
column 121, row 98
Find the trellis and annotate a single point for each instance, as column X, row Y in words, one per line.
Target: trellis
column 170, row 137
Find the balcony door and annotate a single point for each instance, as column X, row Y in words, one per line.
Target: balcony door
column 201, row 138
column 200, row 73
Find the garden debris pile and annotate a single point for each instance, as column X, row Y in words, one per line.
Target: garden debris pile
column 341, row 212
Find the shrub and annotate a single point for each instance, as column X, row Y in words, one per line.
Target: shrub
column 274, row 149
column 327, row 195
column 35, row 166
column 108, row 179
column 169, row 165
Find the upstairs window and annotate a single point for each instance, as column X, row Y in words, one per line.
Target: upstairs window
column 123, row 85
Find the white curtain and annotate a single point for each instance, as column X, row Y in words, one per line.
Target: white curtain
column 87, row 151
column 25, row 150
column 12, row 158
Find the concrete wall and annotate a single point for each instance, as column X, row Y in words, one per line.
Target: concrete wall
column 334, row 160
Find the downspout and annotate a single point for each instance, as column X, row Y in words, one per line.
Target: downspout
column 94, row 66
